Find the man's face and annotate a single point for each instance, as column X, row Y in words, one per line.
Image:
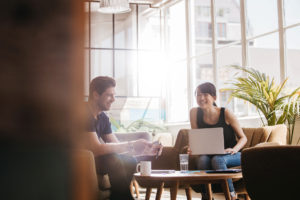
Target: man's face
column 105, row 100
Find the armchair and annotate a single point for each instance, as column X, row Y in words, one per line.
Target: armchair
column 276, row 174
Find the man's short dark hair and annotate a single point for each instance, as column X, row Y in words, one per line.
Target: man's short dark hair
column 100, row 84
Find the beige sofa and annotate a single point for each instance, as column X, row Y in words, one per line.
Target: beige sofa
column 268, row 135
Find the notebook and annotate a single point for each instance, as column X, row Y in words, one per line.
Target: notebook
column 224, row 171
column 162, row 171
column 206, row 141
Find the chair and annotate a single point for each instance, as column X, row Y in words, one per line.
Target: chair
column 272, row 172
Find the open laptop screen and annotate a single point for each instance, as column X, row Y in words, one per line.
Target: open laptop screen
column 206, row 141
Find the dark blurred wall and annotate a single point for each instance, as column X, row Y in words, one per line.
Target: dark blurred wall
column 41, row 92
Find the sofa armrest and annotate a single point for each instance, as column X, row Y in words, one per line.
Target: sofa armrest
column 266, row 144
column 167, row 160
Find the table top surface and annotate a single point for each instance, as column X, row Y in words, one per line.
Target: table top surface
column 189, row 175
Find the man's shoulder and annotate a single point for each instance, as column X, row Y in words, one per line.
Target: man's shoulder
column 103, row 115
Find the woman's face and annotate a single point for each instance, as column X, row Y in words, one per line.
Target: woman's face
column 204, row 100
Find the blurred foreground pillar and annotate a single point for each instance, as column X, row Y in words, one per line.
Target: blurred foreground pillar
column 41, row 92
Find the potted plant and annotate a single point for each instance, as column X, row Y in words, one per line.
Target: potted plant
column 270, row 99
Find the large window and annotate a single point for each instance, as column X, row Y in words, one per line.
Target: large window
column 127, row 47
column 164, row 53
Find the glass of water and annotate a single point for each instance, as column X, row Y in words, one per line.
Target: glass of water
column 184, row 162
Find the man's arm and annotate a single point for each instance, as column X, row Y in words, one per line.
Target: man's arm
column 111, row 138
column 92, row 143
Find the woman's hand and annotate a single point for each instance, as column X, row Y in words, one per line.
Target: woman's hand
column 231, row 151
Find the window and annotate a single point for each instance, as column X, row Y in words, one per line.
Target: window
column 127, row 47
column 293, row 55
column 261, row 16
column 203, row 29
column 221, row 29
column 152, row 55
column 291, row 11
column 264, row 55
column 176, row 81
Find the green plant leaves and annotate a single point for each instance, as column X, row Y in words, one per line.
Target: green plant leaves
column 269, row 98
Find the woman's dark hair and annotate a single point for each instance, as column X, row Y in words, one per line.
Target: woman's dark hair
column 100, row 84
column 208, row 88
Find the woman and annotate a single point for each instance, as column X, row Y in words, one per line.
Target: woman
column 208, row 115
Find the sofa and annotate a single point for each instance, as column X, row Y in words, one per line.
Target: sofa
column 263, row 136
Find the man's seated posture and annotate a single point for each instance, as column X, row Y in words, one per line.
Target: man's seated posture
column 112, row 157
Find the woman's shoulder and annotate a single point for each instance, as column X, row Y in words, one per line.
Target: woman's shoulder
column 229, row 115
column 194, row 109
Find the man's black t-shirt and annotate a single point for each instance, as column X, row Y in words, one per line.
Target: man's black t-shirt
column 101, row 125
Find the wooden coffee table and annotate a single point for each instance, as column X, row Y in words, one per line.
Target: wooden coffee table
column 184, row 180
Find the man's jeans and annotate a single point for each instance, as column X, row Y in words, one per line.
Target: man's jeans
column 120, row 169
column 207, row 162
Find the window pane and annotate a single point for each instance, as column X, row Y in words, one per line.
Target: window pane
column 101, row 28
column 202, row 71
column 261, row 16
column 229, row 56
column 152, row 73
column 228, row 22
column 101, row 63
column 201, row 30
column 125, row 29
column 126, row 73
column 176, row 37
column 293, row 55
column 177, row 104
column 264, row 55
column 149, row 28
column 291, row 11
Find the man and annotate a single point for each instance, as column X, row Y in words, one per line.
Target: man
column 111, row 155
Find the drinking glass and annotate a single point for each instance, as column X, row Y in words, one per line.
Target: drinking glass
column 184, row 162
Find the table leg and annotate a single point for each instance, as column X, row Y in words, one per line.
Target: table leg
column 159, row 191
column 148, row 193
column 209, row 192
column 188, row 193
column 173, row 190
column 136, row 186
column 226, row 189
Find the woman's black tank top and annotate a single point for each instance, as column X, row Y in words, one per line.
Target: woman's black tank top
column 229, row 135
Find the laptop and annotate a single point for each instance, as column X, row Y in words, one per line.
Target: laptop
column 206, row 141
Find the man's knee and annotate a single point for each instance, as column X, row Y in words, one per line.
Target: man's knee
column 107, row 163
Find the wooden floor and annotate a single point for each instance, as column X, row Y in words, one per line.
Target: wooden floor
column 180, row 196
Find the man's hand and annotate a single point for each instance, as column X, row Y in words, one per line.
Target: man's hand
column 144, row 148
column 140, row 145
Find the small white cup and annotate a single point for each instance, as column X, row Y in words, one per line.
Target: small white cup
column 144, row 167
